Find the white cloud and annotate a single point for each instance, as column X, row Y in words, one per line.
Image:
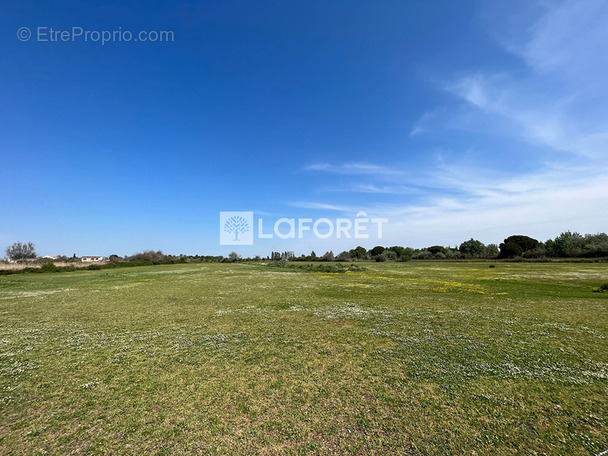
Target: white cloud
column 570, row 38
column 352, row 169
column 555, row 102
column 541, row 209
column 541, row 205
column 375, row 189
column 559, row 100
column 322, row 206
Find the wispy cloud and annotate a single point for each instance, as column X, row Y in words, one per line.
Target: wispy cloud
column 539, row 204
column 375, row 189
column 323, row 206
column 557, row 100
column 552, row 104
column 352, row 169
column 567, row 38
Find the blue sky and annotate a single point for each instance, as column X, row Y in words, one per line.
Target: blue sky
column 451, row 119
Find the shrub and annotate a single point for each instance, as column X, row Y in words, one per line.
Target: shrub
column 490, row 251
column 453, row 255
column 329, row 256
column 422, row 255
column 386, row 255
column 376, row 251
column 150, row 256
column 435, row 249
column 359, row 253
column 48, row 266
column 344, row 256
column 282, row 263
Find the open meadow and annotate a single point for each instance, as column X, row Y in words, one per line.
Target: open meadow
column 414, row 358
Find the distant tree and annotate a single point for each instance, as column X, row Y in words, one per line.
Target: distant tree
column 313, row 256
column 525, row 243
column 376, row 251
column 399, row 251
column 510, row 250
column 596, row 245
column 152, row 256
column 472, row 248
column 403, row 253
column 490, row 251
column 329, row 256
column 435, row 249
column 233, row 256
column 344, row 256
column 19, row 251
column 386, row 255
column 422, row 255
column 359, row 253
column 453, row 254
column 569, row 244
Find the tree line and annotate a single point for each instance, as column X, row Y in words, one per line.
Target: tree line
column 566, row 245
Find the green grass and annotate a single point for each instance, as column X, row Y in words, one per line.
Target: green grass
column 399, row 358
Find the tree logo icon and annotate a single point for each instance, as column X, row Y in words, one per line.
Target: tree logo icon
column 237, row 225
column 236, row 228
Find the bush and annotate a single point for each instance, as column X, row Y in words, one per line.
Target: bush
column 490, row 251
column 48, row 266
column 435, row 249
column 453, row 255
column 422, row 255
column 344, row 256
column 151, row 257
column 359, row 253
column 328, row 268
column 329, row 256
column 282, row 263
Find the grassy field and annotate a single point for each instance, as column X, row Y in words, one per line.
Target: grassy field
column 399, row 358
